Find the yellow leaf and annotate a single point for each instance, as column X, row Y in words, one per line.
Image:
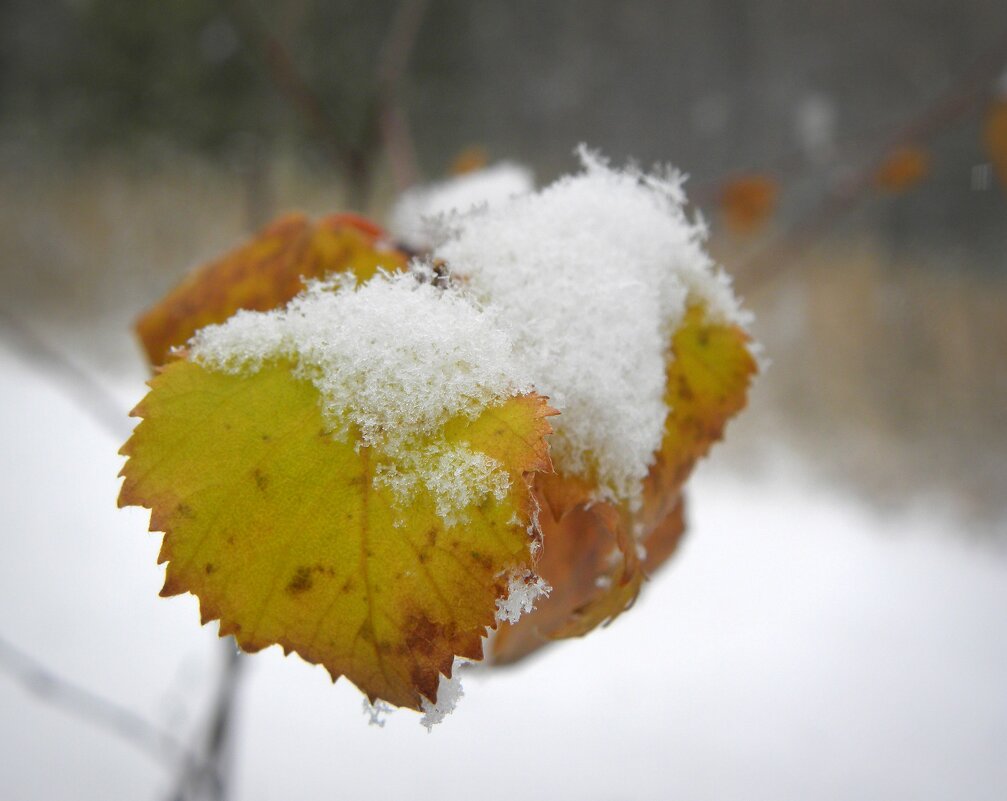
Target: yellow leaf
column 995, row 136
column 748, row 202
column 596, row 555
column 284, row 535
column 903, row 169
column 265, row 274
column 707, row 385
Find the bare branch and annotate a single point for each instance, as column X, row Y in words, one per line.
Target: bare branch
column 208, row 777
column 79, row 386
column 393, row 63
column 293, row 87
column 386, row 124
column 956, row 102
column 81, row 703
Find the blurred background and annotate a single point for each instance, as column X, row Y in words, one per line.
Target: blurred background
column 834, row 625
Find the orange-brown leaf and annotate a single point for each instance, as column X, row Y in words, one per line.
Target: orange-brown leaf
column 747, row 203
column 576, row 550
column 265, row 274
column 995, row 137
column 596, row 556
column 904, row 168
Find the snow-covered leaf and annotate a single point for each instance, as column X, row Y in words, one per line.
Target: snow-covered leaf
column 265, row 273
column 596, row 555
column 286, row 536
column 350, row 478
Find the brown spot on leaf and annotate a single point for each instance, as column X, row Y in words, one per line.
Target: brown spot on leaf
column 301, row 581
column 261, row 479
column 172, row 586
column 422, row 634
column 425, row 682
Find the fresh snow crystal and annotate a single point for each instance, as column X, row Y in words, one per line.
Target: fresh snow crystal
column 590, row 277
column 523, row 589
column 449, row 693
column 395, row 357
column 419, row 211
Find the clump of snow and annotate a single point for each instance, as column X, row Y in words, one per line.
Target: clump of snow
column 449, row 693
column 463, row 478
column 590, row 278
column 418, row 211
column 394, row 359
column 377, row 713
column 524, row 588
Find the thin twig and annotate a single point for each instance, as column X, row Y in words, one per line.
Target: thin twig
column 352, row 159
column 392, row 68
column 220, row 743
column 386, row 126
column 787, row 164
column 205, row 773
column 43, row 683
column 208, row 778
column 78, row 385
column 956, row 102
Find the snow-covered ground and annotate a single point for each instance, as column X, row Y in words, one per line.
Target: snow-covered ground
column 800, row 646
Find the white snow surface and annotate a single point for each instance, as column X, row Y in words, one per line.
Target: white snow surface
column 591, row 277
column 800, row 645
column 419, row 212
